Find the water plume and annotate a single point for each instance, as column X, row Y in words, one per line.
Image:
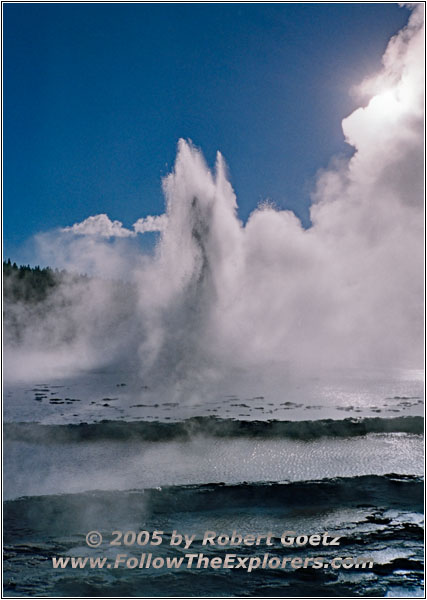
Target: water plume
column 218, row 296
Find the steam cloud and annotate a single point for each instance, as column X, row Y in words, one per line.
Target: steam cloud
column 218, row 294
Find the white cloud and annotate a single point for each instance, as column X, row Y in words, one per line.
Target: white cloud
column 100, row 225
column 218, row 295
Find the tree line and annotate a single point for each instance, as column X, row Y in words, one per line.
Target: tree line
column 29, row 284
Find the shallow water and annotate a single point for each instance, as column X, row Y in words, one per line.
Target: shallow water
column 103, row 452
column 91, row 397
column 115, row 465
column 373, row 516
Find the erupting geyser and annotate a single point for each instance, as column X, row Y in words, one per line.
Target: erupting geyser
column 218, row 294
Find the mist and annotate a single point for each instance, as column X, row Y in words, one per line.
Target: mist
column 218, row 296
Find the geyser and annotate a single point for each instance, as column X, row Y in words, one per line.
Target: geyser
column 218, row 295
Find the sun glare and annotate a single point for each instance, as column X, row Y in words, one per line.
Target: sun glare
column 385, row 103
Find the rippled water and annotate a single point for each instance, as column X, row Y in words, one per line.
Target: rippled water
column 102, row 452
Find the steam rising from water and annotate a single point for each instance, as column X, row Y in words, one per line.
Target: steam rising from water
column 219, row 295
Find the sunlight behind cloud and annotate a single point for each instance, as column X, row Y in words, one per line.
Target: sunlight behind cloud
column 385, row 104
column 218, row 294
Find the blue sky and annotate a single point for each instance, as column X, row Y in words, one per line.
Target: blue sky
column 96, row 97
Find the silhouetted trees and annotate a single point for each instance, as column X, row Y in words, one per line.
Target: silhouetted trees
column 28, row 284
